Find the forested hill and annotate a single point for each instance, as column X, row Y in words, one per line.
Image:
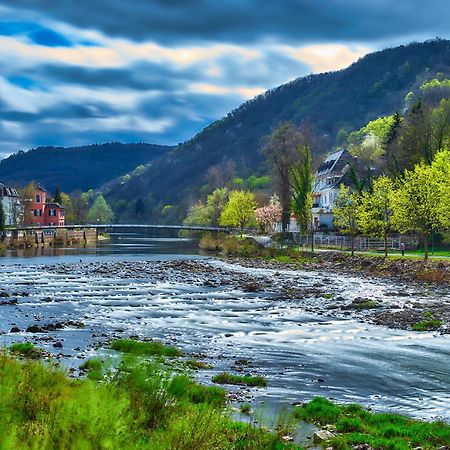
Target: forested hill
column 374, row 86
column 76, row 168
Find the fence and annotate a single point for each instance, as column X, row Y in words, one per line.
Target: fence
column 362, row 243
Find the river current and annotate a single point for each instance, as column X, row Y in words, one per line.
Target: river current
column 302, row 353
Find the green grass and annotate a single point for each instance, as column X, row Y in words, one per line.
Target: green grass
column 427, row 325
column 93, row 367
column 150, row 348
column 245, row 408
column 139, row 405
column 356, row 425
column 242, row 380
column 26, row 349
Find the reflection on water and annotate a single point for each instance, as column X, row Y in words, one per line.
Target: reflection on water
column 142, row 244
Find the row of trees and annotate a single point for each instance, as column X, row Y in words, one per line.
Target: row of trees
column 418, row 202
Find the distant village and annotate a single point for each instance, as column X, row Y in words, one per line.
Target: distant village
column 38, row 210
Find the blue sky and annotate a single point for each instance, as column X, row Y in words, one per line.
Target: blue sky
column 158, row 71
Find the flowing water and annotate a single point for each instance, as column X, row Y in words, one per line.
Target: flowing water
column 302, row 353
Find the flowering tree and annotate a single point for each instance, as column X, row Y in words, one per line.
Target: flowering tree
column 268, row 216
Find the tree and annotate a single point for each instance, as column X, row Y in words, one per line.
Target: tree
column 239, row 211
column 416, row 203
column 280, row 152
column 301, row 177
column 66, row 201
column 27, row 197
column 57, row 198
column 2, row 217
column 374, row 212
column 345, row 213
column 268, row 216
column 201, row 214
column 100, row 211
column 79, row 207
column 441, row 174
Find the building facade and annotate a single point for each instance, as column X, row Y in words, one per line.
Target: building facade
column 327, row 181
column 12, row 206
column 41, row 212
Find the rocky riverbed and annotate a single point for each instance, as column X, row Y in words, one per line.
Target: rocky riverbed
column 309, row 332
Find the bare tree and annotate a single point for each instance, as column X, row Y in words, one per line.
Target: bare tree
column 280, row 151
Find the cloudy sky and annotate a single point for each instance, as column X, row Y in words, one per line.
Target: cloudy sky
column 85, row 71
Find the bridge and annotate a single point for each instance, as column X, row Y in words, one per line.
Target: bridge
column 112, row 226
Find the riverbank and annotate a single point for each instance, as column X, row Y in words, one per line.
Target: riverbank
column 148, row 399
column 307, row 332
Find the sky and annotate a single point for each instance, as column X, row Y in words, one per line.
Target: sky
column 159, row 71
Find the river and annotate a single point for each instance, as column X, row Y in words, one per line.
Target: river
column 302, row 351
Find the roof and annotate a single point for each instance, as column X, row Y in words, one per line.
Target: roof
column 330, row 163
column 40, row 188
column 55, row 205
column 6, row 191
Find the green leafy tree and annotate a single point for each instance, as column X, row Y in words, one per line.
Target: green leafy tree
column 345, row 213
column 198, row 214
column 374, row 212
column 201, row 214
column 100, row 211
column 66, row 201
column 240, row 210
column 79, row 207
column 301, row 176
column 417, row 203
column 441, row 174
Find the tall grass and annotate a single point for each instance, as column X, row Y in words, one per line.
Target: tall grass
column 138, row 405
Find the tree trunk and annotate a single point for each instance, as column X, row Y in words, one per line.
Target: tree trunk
column 425, row 245
column 353, row 244
column 312, row 236
column 385, row 244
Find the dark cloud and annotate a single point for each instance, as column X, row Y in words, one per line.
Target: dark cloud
column 35, row 33
column 251, row 20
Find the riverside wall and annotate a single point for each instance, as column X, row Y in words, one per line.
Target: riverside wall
column 48, row 237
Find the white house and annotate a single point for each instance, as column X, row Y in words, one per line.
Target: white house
column 12, row 206
column 327, row 181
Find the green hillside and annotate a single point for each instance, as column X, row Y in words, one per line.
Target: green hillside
column 374, row 86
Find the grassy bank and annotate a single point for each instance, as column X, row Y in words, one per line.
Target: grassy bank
column 143, row 404
column 139, row 405
column 351, row 425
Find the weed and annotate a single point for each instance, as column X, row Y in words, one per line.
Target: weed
column 243, row 380
column 149, row 348
column 26, row 349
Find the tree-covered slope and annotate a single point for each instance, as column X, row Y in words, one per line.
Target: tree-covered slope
column 76, row 168
column 374, row 86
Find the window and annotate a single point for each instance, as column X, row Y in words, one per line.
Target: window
column 61, row 213
column 38, row 198
column 52, row 212
column 37, row 212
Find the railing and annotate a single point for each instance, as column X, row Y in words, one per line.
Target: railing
column 362, row 243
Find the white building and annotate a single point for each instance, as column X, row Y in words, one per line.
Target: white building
column 326, row 185
column 12, row 206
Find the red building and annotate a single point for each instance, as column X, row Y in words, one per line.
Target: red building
column 43, row 212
